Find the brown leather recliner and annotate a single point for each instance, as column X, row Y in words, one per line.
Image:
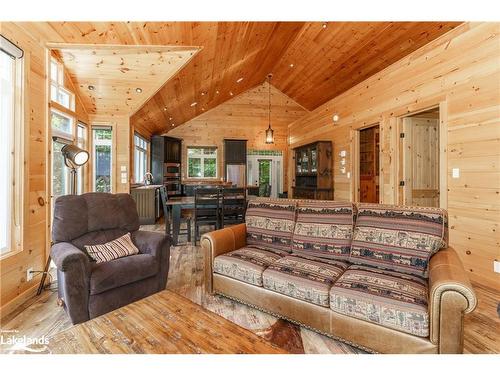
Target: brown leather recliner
column 450, row 297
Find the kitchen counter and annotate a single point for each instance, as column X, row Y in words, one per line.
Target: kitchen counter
column 145, row 187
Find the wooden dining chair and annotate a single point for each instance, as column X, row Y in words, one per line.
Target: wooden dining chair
column 185, row 216
column 233, row 206
column 206, row 209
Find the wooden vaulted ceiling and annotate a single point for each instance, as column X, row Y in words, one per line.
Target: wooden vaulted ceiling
column 311, row 62
column 119, row 80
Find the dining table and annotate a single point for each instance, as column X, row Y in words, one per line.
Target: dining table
column 173, row 220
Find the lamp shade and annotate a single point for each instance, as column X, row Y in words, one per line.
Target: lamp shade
column 74, row 156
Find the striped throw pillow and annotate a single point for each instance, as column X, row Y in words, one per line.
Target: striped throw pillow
column 119, row 248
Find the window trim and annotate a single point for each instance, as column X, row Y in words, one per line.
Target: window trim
column 59, row 84
column 93, row 127
column 82, row 171
column 17, row 165
column 203, row 163
column 146, row 150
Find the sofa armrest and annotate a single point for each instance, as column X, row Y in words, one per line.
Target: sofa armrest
column 450, row 297
column 158, row 245
column 152, row 243
column 220, row 242
column 74, row 270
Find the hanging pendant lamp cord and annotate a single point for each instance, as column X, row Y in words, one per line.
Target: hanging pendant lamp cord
column 269, row 84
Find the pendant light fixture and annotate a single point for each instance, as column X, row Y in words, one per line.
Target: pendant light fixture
column 269, row 131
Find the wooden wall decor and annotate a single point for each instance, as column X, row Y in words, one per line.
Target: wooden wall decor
column 243, row 117
column 311, row 63
column 461, row 70
column 116, row 73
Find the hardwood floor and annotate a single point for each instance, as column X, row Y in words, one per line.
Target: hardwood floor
column 41, row 315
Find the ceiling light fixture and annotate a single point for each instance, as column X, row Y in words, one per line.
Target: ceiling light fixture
column 138, row 90
column 336, row 118
column 291, row 65
column 193, row 104
column 269, row 131
column 217, row 92
column 239, row 80
column 170, row 118
column 231, row 93
column 324, row 25
column 165, row 109
column 91, row 88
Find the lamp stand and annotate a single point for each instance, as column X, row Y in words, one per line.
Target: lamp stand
column 72, row 191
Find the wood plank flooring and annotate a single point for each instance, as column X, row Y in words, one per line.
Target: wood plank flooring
column 42, row 316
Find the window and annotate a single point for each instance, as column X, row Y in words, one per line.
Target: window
column 11, row 149
column 140, row 157
column 81, row 141
column 102, row 155
column 202, row 162
column 58, row 93
column 62, row 125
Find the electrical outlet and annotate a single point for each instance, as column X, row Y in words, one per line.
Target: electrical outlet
column 496, row 266
column 29, row 274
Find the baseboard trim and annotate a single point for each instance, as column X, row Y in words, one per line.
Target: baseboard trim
column 14, row 303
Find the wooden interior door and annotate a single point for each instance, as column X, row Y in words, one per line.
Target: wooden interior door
column 421, row 161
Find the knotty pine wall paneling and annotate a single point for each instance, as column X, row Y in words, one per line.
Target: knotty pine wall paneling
column 460, row 71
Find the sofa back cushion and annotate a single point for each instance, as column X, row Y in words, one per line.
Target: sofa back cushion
column 324, row 229
column 398, row 238
column 270, row 224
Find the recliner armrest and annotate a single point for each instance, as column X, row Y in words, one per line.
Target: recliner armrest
column 152, row 243
column 74, row 270
column 450, row 297
column 220, row 242
column 65, row 255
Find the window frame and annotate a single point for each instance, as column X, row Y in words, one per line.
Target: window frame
column 58, row 84
column 202, row 162
column 17, row 170
column 82, row 171
column 145, row 151
column 93, row 150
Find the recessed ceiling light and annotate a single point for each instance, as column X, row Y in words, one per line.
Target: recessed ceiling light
column 336, row 117
column 231, row 93
column 203, row 93
column 202, row 108
column 173, row 124
column 217, row 92
column 324, row 25
column 91, row 88
column 138, row 90
column 239, row 80
column 193, row 104
column 170, row 118
column 291, row 65
column 165, row 109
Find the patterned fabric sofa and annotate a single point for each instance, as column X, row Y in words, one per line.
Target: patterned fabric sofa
column 376, row 276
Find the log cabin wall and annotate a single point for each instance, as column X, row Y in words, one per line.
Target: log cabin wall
column 461, row 71
column 243, row 117
column 14, row 289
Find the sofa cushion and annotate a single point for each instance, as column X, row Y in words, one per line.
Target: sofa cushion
column 392, row 299
column 398, row 238
column 270, row 224
column 121, row 271
column 324, row 229
column 305, row 279
column 245, row 264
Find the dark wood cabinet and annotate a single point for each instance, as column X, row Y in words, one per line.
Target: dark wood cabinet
column 235, row 151
column 164, row 150
column 173, row 150
column 313, row 171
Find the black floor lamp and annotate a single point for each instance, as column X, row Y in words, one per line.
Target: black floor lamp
column 74, row 157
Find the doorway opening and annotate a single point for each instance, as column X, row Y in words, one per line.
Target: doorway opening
column 369, row 164
column 419, row 172
column 265, row 172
